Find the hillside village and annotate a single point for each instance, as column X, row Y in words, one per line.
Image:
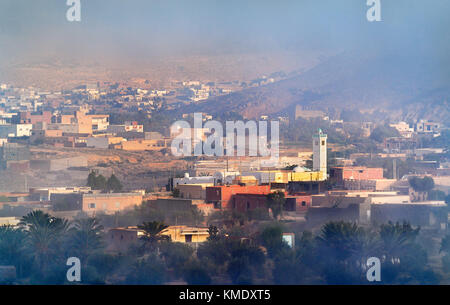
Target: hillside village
column 102, row 154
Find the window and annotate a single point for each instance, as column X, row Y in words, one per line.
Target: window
column 323, row 143
column 188, row 238
column 248, row 205
column 303, row 203
column 92, row 205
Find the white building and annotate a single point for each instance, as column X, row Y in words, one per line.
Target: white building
column 403, row 128
column 15, row 130
column 320, row 152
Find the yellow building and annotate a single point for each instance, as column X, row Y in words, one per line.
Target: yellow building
column 185, row 234
column 284, row 176
column 306, row 176
column 141, row 145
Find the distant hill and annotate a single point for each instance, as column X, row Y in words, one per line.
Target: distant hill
column 403, row 86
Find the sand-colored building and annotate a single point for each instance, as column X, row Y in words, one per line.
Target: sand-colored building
column 110, row 203
column 185, row 234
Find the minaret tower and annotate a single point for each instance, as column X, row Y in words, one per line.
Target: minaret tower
column 320, row 152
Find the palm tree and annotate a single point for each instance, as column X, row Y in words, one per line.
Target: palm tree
column 44, row 233
column 396, row 239
column 86, row 237
column 345, row 248
column 348, row 243
column 12, row 247
column 153, row 233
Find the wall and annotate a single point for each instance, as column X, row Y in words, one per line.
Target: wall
column 417, row 215
column 192, row 191
column 246, row 202
column 110, row 203
column 186, row 234
column 221, row 196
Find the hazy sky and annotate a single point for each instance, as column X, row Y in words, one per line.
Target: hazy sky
column 35, row 29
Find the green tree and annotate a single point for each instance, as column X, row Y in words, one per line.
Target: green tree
column 100, row 183
column 152, row 233
column 44, row 234
column 272, row 239
column 113, row 184
column 96, row 182
column 86, row 237
column 345, row 247
column 13, row 249
column 150, row 271
column 213, row 232
column 445, row 248
column 91, row 180
column 245, row 258
column 382, row 132
column 176, row 255
column 195, row 273
column 424, row 184
column 396, row 237
column 276, row 202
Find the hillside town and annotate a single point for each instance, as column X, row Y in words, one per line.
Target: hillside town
column 103, row 152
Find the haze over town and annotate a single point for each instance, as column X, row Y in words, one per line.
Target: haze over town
column 86, row 110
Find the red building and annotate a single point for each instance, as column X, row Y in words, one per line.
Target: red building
column 222, row 196
column 35, row 117
column 339, row 174
column 247, row 202
column 299, row 204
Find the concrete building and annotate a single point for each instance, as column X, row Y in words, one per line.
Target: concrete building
column 100, row 122
column 103, row 142
column 50, row 165
column 222, row 196
column 370, row 185
column 13, row 152
column 185, row 234
column 15, row 130
column 47, row 193
column 127, row 127
column 153, row 135
column 338, row 208
column 247, row 202
column 121, row 239
column 298, row 203
column 400, row 144
column 424, row 214
column 187, row 179
column 339, row 174
column 304, row 113
column 110, row 203
column 424, row 126
column 33, row 117
column 193, row 191
column 143, row 145
column 404, row 129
